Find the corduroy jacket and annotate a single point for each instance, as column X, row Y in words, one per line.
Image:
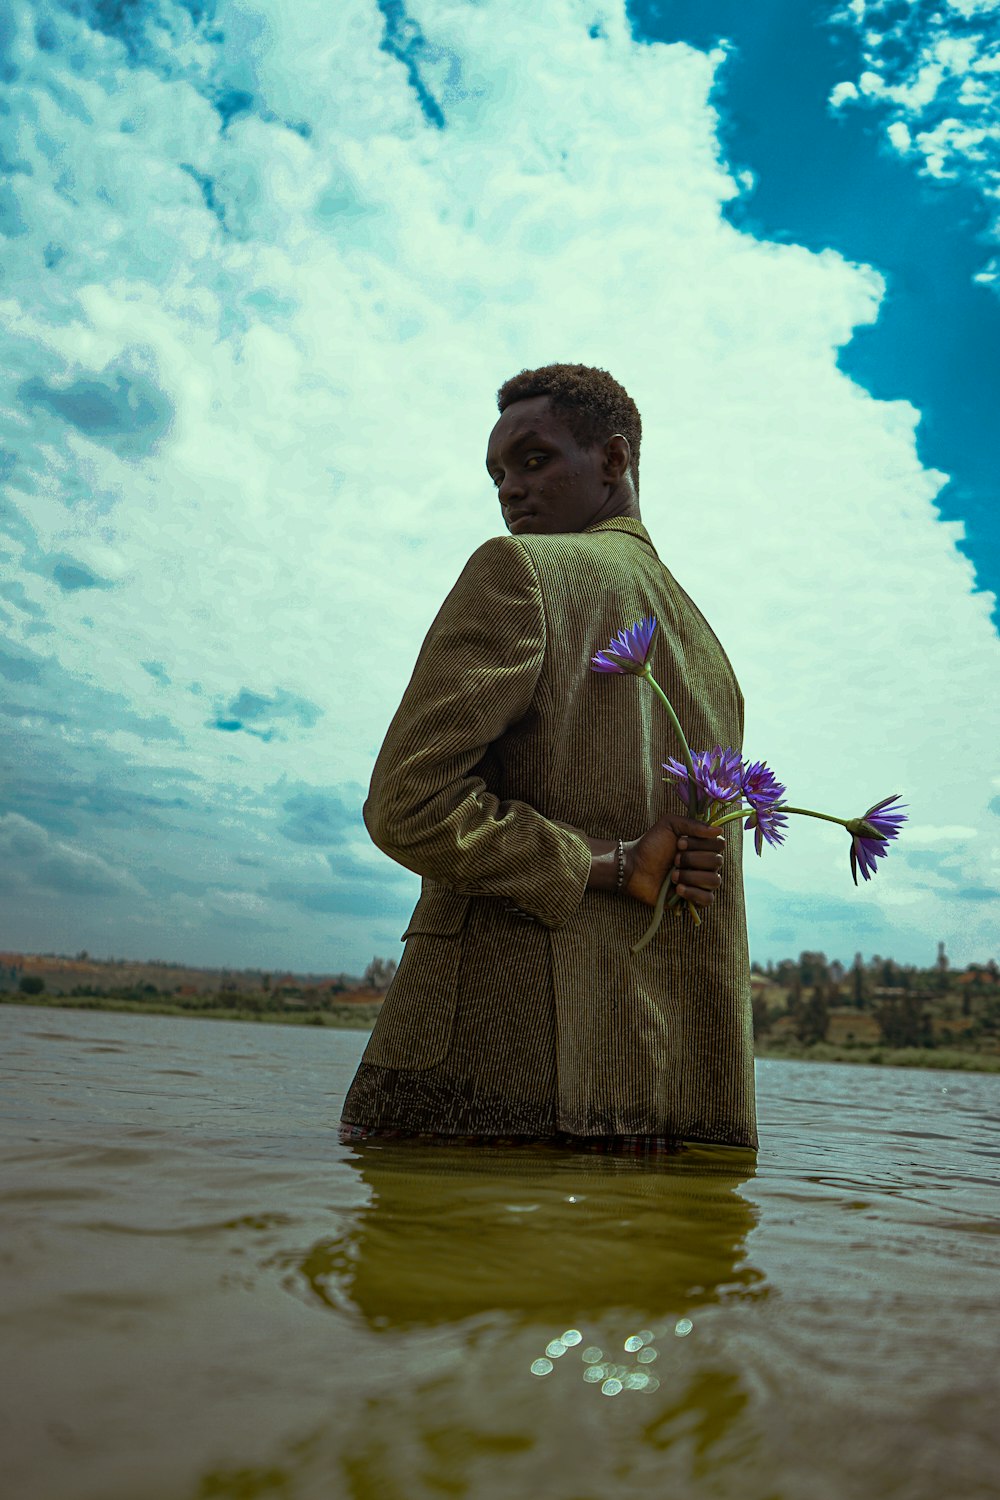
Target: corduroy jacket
column 518, row 1007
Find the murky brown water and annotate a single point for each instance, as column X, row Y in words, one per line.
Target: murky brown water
column 205, row 1296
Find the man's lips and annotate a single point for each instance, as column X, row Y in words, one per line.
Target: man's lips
column 519, row 521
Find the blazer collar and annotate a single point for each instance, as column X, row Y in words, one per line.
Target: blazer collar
column 628, row 524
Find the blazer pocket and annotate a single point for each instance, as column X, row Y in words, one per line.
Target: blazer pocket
column 414, row 1026
column 440, row 912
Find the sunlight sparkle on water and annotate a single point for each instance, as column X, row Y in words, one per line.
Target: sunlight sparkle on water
column 612, row 1377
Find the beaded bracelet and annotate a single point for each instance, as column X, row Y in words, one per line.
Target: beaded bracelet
column 621, row 866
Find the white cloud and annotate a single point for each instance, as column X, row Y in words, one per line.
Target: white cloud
column 325, row 316
column 971, row 8
column 948, row 139
column 843, row 91
column 37, row 864
column 926, row 62
column 871, row 83
column 927, row 836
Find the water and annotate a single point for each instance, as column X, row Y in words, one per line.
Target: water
column 207, row 1296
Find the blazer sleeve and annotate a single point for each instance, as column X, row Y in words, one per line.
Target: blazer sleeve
column 429, row 806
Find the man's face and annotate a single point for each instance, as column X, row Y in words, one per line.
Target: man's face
column 545, row 481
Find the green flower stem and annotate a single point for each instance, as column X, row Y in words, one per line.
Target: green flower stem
column 685, row 748
column 731, row 817
column 806, row 812
column 667, row 886
column 657, row 916
column 856, row 827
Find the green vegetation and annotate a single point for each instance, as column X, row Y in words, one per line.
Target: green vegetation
column 221, row 1006
column 945, row 1058
column 881, row 1012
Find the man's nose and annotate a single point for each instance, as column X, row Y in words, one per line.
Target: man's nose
column 510, row 488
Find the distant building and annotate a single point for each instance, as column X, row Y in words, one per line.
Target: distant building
column 11, row 969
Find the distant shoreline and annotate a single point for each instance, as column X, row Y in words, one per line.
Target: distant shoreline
column 360, row 1016
column 352, row 1016
column 944, row 1059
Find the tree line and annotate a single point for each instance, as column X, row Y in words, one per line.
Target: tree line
column 910, row 1006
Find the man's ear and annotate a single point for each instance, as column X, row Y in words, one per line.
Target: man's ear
column 617, row 457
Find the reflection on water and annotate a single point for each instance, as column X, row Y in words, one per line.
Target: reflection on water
column 534, row 1232
column 206, row 1296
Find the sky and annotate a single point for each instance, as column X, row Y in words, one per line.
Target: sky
column 264, row 266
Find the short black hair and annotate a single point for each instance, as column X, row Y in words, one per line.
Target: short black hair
column 591, row 403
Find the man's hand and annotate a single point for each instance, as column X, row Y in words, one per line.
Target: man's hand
column 690, row 850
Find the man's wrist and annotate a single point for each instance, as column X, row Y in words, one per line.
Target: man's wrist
column 611, row 864
column 603, row 865
column 629, row 866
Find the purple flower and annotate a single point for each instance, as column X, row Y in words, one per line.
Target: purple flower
column 768, row 822
column 870, row 835
column 764, row 792
column 629, row 651
column 716, row 774
column 759, row 784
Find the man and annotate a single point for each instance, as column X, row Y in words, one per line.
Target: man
column 526, row 790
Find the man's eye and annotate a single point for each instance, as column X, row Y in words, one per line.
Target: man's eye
column 534, row 461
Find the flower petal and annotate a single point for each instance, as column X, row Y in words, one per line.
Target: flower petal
column 632, row 646
column 603, row 663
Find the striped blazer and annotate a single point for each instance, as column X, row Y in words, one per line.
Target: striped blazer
column 518, row 1007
